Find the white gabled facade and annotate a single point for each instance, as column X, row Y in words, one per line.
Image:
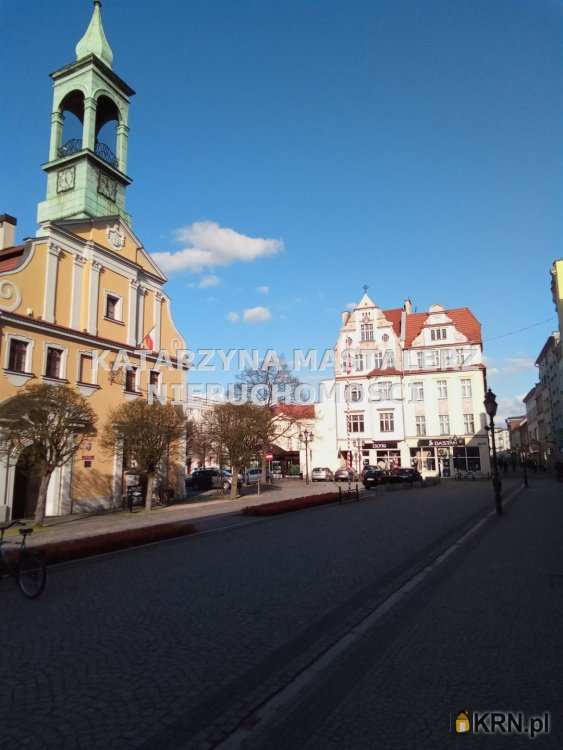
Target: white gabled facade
column 408, row 391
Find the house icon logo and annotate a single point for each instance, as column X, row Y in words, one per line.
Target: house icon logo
column 462, row 723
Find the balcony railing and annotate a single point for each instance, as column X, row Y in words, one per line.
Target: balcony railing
column 101, row 149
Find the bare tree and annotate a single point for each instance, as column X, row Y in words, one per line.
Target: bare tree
column 273, row 388
column 51, row 422
column 238, row 431
column 149, row 434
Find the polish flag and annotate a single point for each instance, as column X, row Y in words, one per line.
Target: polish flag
column 148, row 341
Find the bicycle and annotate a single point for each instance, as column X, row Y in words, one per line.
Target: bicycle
column 26, row 567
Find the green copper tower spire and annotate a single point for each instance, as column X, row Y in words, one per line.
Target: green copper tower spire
column 94, row 41
column 87, row 175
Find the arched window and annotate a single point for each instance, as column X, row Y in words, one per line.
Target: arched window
column 107, row 120
column 72, row 110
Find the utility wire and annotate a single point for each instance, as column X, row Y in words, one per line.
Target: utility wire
column 520, row 330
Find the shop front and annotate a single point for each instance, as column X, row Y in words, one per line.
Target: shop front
column 385, row 454
column 445, row 456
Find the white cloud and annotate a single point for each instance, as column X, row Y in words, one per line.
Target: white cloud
column 517, row 364
column 233, row 317
column 513, row 406
column 263, row 289
column 209, row 281
column 209, row 245
column 256, row 314
column 351, row 306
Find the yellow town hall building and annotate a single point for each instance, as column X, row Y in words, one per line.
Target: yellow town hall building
column 84, row 292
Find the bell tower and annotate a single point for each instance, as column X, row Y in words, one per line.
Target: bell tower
column 87, row 166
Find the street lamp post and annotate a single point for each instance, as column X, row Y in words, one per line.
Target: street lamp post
column 524, row 455
column 306, row 437
column 491, row 409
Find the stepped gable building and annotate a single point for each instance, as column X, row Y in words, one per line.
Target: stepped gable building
column 84, row 288
column 408, row 390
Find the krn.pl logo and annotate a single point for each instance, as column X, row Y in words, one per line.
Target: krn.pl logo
column 462, row 722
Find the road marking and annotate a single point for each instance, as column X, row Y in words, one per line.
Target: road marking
column 258, row 719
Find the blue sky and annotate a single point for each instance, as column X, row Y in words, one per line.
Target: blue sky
column 415, row 147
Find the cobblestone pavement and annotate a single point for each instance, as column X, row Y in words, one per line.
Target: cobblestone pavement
column 169, row 646
column 486, row 635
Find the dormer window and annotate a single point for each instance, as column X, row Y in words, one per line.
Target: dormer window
column 438, row 334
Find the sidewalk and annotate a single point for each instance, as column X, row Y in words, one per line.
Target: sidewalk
column 209, row 510
column 483, row 634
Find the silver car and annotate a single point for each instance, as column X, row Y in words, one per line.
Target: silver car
column 322, row 474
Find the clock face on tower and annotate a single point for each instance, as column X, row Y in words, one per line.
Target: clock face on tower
column 65, row 179
column 107, row 186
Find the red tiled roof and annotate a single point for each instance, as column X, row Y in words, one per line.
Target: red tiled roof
column 381, row 372
column 394, row 317
column 462, row 318
column 11, row 257
column 296, row 411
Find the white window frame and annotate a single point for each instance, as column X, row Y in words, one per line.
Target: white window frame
column 158, row 389
column 359, row 362
column 119, row 306
column 417, row 390
column 466, row 388
column 444, row 422
column 460, row 356
column 358, row 419
column 420, row 422
column 354, row 392
column 366, row 332
column 64, row 354
column 469, row 424
column 378, row 360
column 386, row 421
column 435, row 358
column 420, row 360
column 28, row 352
column 384, row 389
column 442, row 388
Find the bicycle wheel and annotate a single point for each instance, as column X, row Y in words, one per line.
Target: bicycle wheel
column 31, row 574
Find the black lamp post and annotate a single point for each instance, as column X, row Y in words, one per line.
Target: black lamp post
column 306, row 437
column 524, row 456
column 491, row 409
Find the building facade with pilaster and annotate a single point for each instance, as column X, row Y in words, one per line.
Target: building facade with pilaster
column 84, row 294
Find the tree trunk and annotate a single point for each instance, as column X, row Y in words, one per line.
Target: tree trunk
column 264, row 468
column 42, row 498
column 234, row 482
column 150, row 490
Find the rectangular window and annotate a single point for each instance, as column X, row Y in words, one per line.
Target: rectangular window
column 377, row 360
column 366, row 330
column 421, row 426
column 359, row 362
column 389, row 358
column 112, row 307
column 460, row 356
column 18, row 355
column 420, row 360
column 466, row 388
column 438, row 334
column 434, row 359
column 131, row 379
column 384, row 390
column 53, row 363
column 444, row 424
column 469, row 424
column 386, row 421
column 447, row 358
column 154, row 380
column 442, row 388
column 85, row 373
column 417, row 391
column 355, row 422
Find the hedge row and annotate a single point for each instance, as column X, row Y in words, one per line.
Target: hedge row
column 72, row 549
column 287, row 506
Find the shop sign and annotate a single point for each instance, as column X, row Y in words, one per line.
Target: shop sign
column 445, row 443
column 384, row 444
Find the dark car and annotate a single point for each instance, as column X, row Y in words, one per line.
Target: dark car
column 345, row 475
column 405, row 475
column 372, row 476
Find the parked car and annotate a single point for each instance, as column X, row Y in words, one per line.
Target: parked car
column 372, row 476
column 345, row 475
column 406, row 475
column 252, row 476
column 322, row 474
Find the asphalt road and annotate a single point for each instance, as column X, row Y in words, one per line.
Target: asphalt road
column 170, row 646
